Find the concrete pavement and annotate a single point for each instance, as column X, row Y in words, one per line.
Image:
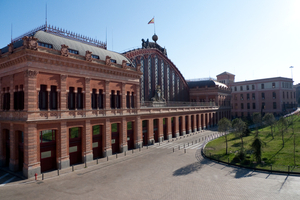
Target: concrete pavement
column 159, row 173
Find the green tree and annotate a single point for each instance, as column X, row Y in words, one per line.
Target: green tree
column 224, row 125
column 256, row 146
column 257, row 122
column 269, row 120
column 239, row 127
column 282, row 126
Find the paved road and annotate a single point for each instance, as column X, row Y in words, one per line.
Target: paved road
column 159, row 173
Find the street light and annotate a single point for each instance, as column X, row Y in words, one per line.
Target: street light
column 292, row 71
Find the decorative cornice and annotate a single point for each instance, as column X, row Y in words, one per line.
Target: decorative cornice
column 51, row 59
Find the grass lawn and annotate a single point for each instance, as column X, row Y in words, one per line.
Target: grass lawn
column 273, row 152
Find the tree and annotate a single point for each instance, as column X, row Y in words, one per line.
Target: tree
column 282, row 126
column 257, row 122
column 257, row 145
column 269, row 120
column 239, row 127
column 224, row 125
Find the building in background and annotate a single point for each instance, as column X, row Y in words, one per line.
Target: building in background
column 270, row 95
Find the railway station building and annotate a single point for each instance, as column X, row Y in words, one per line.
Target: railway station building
column 66, row 99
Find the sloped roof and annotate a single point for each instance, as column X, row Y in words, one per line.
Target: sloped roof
column 204, row 83
column 226, row 73
column 57, row 41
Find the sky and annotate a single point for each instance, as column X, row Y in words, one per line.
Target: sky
column 251, row 39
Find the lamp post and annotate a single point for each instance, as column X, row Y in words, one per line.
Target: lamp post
column 291, row 67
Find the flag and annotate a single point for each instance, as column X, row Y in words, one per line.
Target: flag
column 151, row 21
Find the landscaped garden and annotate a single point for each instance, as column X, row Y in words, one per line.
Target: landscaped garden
column 271, row 145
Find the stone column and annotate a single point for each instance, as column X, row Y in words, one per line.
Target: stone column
column 123, row 97
column 106, row 138
column 31, row 151
column 195, row 123
column 169, row 127
column 88, row 105
column 63, row 94
column 150, row 131
column 13, row 143
column 138, row 133
column 183, row 125
column 199, row 122
column 160, row 129
column 176, row 124
column 189, row 124
column 30, row 94
column 137, row 99
column 63, row 146
column 11, row 91
column 123, row 135
column 106, row 94
column 87, row 140
column 2, row 144
column 48, row 93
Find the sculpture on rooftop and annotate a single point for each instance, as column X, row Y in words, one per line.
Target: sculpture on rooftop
column 158, row 95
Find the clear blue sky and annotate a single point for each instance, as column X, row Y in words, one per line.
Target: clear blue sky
column 251, row 39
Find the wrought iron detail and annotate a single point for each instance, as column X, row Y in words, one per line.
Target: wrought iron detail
column 173, row 84
column 64, row 33
column 149, row 76
column 156, row 71
column 168, row 82
column 142, row 81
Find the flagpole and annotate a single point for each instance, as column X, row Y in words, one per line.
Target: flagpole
column 154, row 24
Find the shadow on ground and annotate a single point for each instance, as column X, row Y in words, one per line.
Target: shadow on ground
column 188, row 169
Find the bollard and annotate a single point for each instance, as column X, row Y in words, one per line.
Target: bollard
column 184, row 150
column 36, row 176
column 97, row 161
column 199, row 139
column 179, row 147
column 116, row 155
column 72, row 168
column 107, row 158
column 85, row 163
column 188, row 144
column 147, row 146
column 132, row 151
column 125, row 153
column 43, row 176
column 58, row 172
column 271, row 167
column 159, row 143
column 140, row 148
column 192, row 142
column 183, row 145
column 173, row 149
